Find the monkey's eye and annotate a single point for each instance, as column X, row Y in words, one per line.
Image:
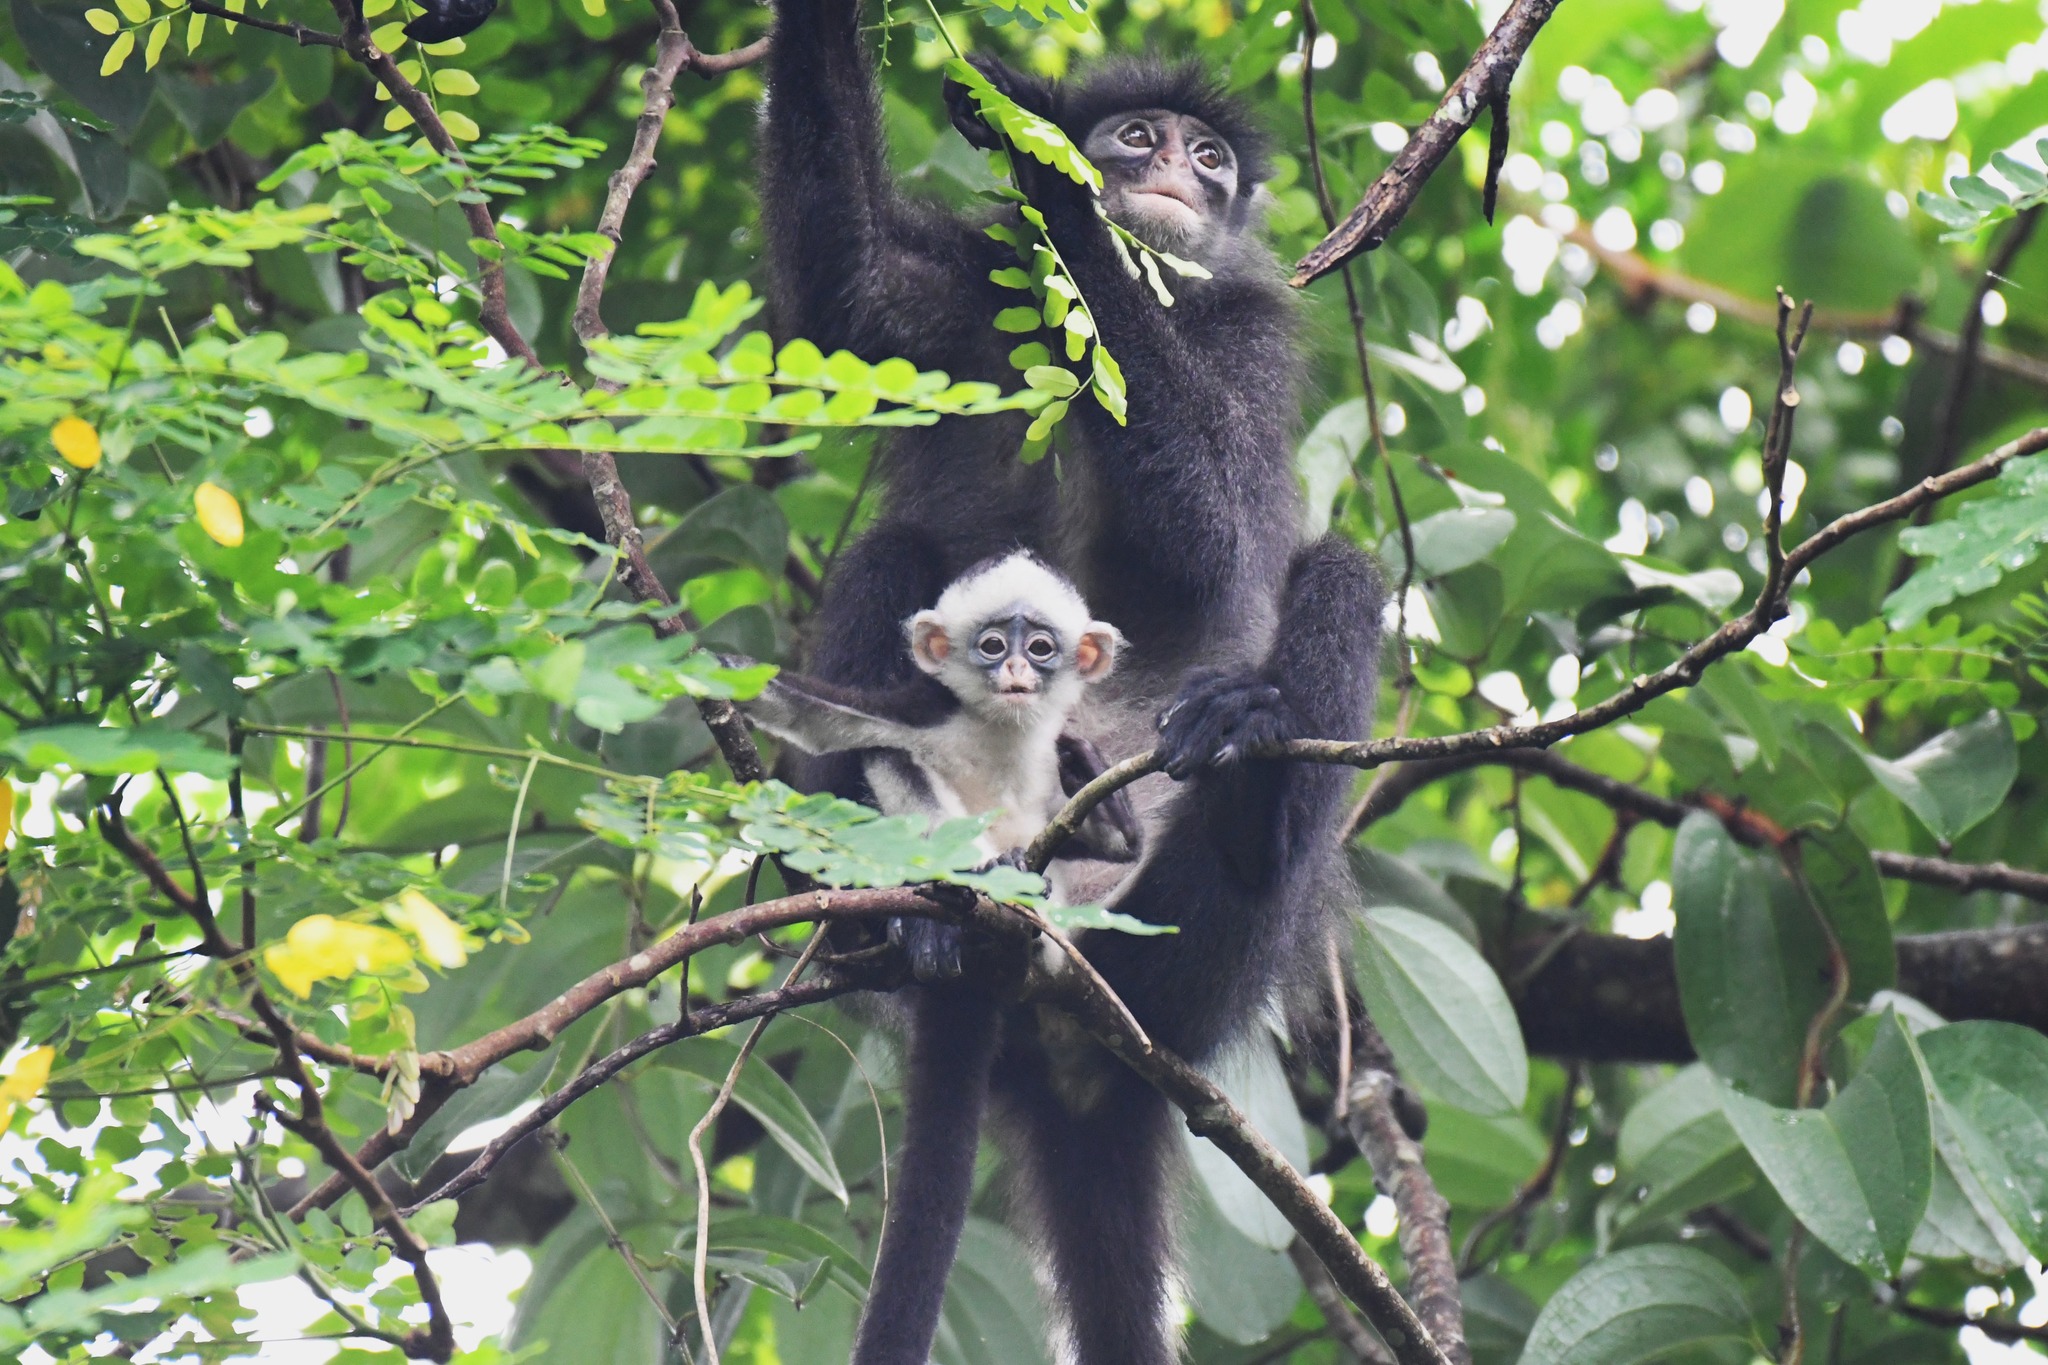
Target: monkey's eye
column 1208, row 155
column 1042, row 648
column 1135, row 135
column 992, row 645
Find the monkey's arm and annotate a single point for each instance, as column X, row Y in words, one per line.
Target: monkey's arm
column 824, row 718
column 1110, row 832
column 854, row 264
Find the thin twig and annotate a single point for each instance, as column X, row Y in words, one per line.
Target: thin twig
column 299, row 33
column 1352, row 1335
column 1682, row 672
column 699, row 1276
column 1537, row 1187
column 1948, row 429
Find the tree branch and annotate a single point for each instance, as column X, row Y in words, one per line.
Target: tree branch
column 1948, row 427
column 1351, row 1333
column 299, row 33
column 674, row 54
column 1682, row 672
column 1645, row 281
column 1425, row 1227
column 493, row 312
column 1482, row 85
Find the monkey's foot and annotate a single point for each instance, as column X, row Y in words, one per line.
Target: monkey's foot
column 1218, row 717
column 933, row 947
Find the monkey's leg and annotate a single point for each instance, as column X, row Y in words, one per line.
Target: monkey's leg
column 1098, row 1186
column 952, row 1043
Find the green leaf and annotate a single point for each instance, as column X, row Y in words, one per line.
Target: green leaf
column 1040, row 138
column 1639, row 1305
column 1837, row 870
column 111, row 750
column 1858, row 1172
column 455, row 81
column 1677, row 1152
column 1251, row 1075
column 1449, row 541
column 1019, row 319
column 1958, row 778
column 102, row 21
column 1442, row 1009
column 1977, row 547
column 1993, row 1083
column 497, row 1092
column 769, row 1098
column 134, row 11
column 1241, row 1289
column 1323, row 463
column 118, row 52
column 1751, row 958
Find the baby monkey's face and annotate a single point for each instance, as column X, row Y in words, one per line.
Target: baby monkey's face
column 1013, row 664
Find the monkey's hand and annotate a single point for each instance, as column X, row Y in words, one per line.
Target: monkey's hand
column 1218, row 718
column 932, row 946
column 966, row 112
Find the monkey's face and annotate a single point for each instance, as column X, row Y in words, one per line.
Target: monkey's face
column 1013, row 666
column 1165, row 175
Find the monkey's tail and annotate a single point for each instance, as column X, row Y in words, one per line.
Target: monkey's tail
column 954, row 1032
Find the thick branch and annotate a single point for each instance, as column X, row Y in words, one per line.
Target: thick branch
column 1482, row 85
column 1425, row 1227
column 1609, row 999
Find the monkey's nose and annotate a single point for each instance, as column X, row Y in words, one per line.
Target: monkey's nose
column 1016, row 676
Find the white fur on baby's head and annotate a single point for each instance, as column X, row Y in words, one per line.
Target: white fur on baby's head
column 989, row 590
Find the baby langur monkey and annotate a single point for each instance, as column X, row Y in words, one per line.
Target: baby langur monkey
column 1014, row 648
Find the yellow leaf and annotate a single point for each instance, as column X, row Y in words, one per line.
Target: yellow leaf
column 442, row 940
column 593, row 7
column 373, row 8
column 453, row 81
column 117, row 52
column 320, row 947
column 26, row 1082
column 220, row 516
column 74, row 437
column 154, row 50
column 454, row 47
column 461, row 127
column 411, row 70
column 6, row 810
column 389, row 38
column 102, row 21
column 396, row 118
column 134, row 11
column 194, row 31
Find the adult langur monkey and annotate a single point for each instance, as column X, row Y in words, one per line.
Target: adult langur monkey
column 1184, row 528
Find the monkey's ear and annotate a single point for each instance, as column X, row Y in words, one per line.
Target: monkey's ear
column 1095, row 656
column 929, row 644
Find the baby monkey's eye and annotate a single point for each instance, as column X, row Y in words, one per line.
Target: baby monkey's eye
column 1208, row 155
column 992, row 645
column 1135, row 135
column 1041, row 648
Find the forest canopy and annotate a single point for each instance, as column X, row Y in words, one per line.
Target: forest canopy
column 405, row 951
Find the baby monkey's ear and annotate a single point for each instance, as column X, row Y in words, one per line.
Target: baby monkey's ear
column 1095, row 656
column 929, row 644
